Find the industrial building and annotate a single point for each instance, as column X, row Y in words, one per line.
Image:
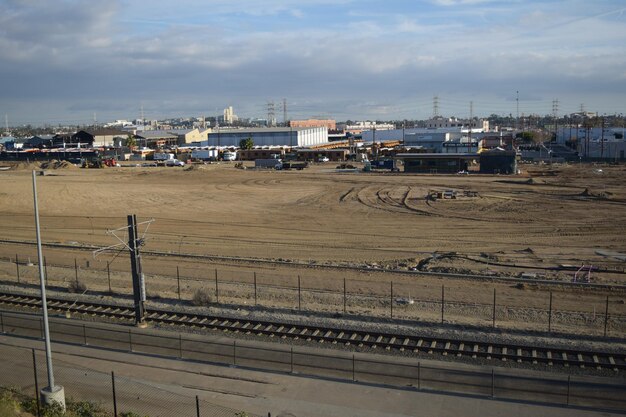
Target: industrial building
column 436, row 163
column 328, row 123
column 498, row 161
column 277, row 136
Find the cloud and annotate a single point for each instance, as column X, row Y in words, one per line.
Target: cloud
column 328, row 54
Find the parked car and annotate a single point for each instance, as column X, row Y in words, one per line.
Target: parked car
column 174, row 163
column 323, row 159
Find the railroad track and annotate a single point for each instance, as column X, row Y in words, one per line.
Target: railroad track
column 534, row 355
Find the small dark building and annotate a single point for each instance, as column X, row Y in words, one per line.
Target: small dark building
column 436, row 163
column 498, row 161
column 39, row 142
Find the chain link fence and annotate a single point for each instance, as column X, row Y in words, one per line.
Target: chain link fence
column 600, row 393
column 593, row 314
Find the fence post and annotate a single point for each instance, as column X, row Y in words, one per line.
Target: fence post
column 36, row 384
column 353, row 372
column 494, row 309
column 114, row 396
column 606, row 316
column 109, row 276
column 299, row 294
column 550, row 314
column 344, row 296
column 197, row 407
column 130, row 340
column 217, row 291
column 178, row 281
column 493, row 383
column 17, row 265
column 443, row 301
column 391, row 299
column 569, row 380
column 419, row 376
column 76, row 270
column 255, row 294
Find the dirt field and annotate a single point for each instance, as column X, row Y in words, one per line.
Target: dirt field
column 544, row 218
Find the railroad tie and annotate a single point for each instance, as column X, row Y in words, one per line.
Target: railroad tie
column 534, row 355
column 293, row 329
column 354, row 335
column 326, row 336
column 339, row 336
column 204, row 320
column 418, row 345
column 581, row 361
column 505, row 351
column 193, row 320
column 314, row 334
column 213, row 322
column 404, row 344
column 475, row 351
column 302, row 332
column 378, row 340
column 280, row 330
column 549, row 356
column 365, row 339
column 433, row 345
column 565, row 360
column 519, row 355
column 267, row 329
column 224, row 323
column 489, row 351
column 461, row 349
column 391, row 342
column 596, row 361
column 246, row 325
column 612, row 362
column 446, row 348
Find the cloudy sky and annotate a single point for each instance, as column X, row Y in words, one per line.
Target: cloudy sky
column 64, row 60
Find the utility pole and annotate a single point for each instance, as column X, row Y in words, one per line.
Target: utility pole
column 6, row 123
column 469, row 137
column 52, row 393
column 517, row 109
column 285, row 111
column 602, row 140
column 134, row 242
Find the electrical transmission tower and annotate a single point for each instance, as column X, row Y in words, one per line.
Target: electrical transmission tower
column 555, row 114
column 271, row 114
column 435, row 106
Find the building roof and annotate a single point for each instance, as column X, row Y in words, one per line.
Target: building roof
column 104, row 132
column 156, row 134
column 262, row 130
column 455, row 155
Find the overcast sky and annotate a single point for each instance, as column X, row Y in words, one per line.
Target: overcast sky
column 64, row 60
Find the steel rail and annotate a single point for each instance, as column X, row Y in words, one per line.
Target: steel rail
column 474, row 349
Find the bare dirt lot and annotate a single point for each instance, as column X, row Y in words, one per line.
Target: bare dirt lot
column 534, row 224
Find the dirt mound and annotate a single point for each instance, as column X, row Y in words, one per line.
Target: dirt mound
column 54, row 164
column 585, row 193
column 22, row 166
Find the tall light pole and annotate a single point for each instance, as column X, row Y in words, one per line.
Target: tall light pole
column 52, row 393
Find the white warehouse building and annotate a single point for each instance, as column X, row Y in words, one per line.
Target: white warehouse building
column 277, row 136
